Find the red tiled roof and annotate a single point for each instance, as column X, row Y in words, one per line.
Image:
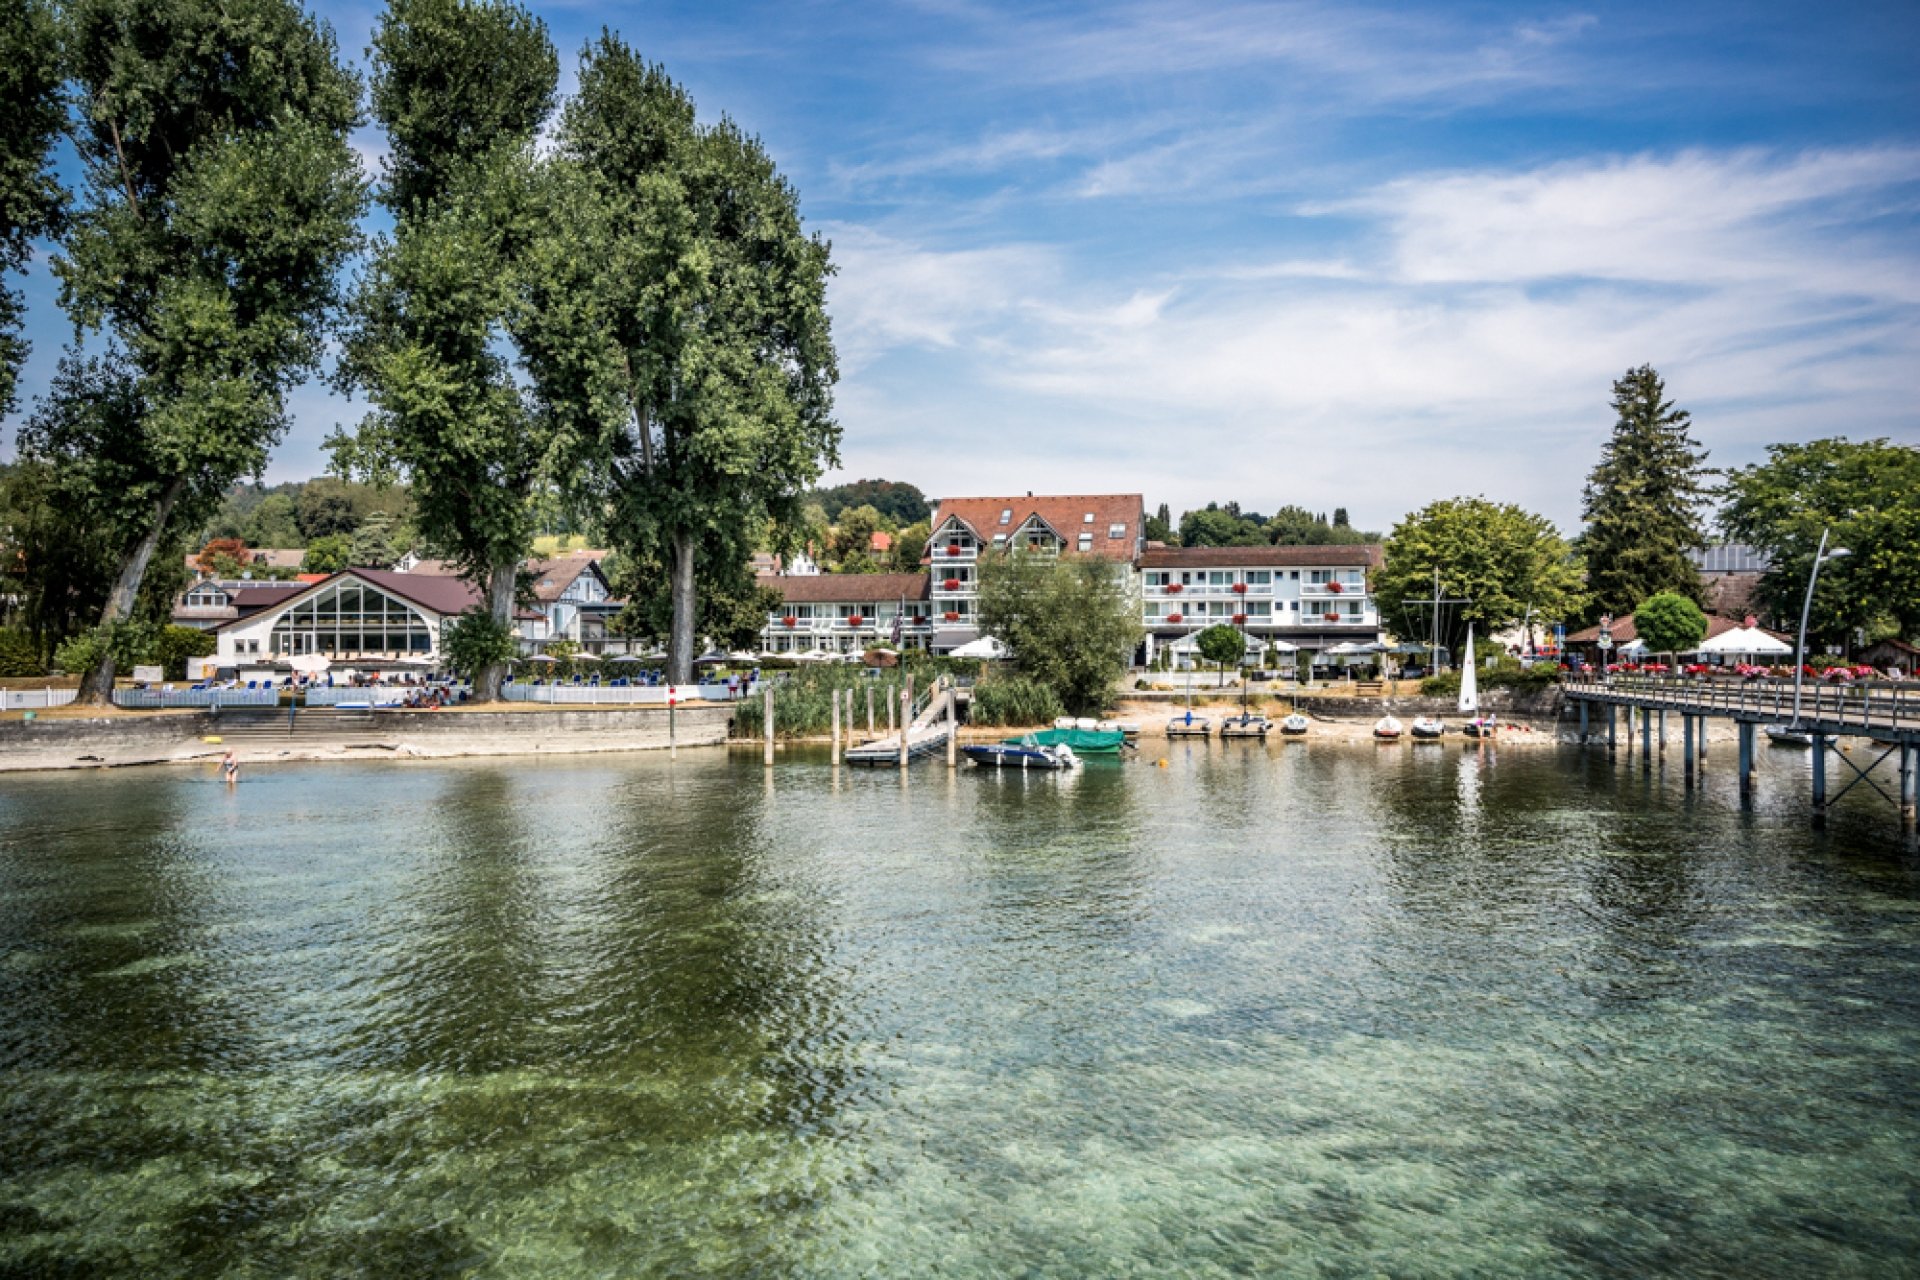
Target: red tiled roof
column 1065, row 514
column 847, row 588
column 1624, row 631
column 442, row 595
column 1363, row 555
column 552, row 577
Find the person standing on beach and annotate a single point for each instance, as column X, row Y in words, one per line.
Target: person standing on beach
column 230, row 769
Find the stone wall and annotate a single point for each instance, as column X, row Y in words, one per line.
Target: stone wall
column 68, row 742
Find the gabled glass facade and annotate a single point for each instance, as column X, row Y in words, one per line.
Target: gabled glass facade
column 348, row 618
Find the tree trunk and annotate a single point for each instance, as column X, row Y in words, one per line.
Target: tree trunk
column 500, row 584
column 680, row 639
column 96, row 690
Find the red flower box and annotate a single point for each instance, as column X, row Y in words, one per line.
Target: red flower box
column 1331, row 617
column 951, row 616
column 790, row 621
column 1173, row 588
column 1173, row 617
column 1239, row 588
column 1239, row 618
column 1335, row 587
column 952, row 549
column 855, row 619
column 951, row 584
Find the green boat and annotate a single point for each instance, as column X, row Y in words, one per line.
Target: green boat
column 1083, row 741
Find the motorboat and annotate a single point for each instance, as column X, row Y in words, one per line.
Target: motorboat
column 1083, row 741
column 1387, row 729
column 1189, row 725
column 1026, row 753
column 1295, row 726
column 1248, row 724
column 1427, row 729
column 1130, row 729
column 1784, row 735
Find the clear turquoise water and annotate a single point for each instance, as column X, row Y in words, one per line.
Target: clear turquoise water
column 1300, row 1010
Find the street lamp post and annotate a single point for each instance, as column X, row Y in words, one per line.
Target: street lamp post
column 1806, row 606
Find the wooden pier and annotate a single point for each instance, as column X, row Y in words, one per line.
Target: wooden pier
column 1886, row 714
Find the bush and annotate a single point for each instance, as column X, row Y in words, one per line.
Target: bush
column 473, row 642
column 175, row 645
column 1505, row 672
column 19, row 656
column 132, row 643
column 1013, row 700
column 803, row 700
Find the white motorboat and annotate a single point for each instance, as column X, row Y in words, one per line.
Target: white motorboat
column 1295, row 726
column 1387, row 729
column 1427, row 729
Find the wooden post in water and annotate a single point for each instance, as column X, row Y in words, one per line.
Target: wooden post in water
column 906, row 718
column 953, row 728
column 869, row 708
column 766, row 721
column 836, row 728
column 1583, row 721
column 1613, row 727
column 1663, row 731
column 889, row 709
column 1686, row 747
column 1746, row 762
column 1646, row 736
column 1819, row 779
column 1907, row 796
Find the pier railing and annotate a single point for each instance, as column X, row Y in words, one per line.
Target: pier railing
column 1866, row 704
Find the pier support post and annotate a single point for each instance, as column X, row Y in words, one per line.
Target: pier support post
column 1746, row 762
column 906, row 718
column 1819, row 779
column 1646, row 736
column 1907, row 788
column 1613, row 728
column 1686, row 747
column 766, row 720
column 1663, row 731
column 1583, row 722
column 836, row 728
column 869, row 708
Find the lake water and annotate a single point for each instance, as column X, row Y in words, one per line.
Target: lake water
column 1301, row 1010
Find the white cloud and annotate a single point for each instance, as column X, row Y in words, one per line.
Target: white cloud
column 1464, row 342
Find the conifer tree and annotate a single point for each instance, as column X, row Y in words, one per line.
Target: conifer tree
column 1643, row 502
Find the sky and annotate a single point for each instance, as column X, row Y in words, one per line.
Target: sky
column 1328, row 254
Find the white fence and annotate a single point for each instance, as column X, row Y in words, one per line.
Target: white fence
column 638, row 695
column 149, row 699
column 375, row 696
column 35, row 699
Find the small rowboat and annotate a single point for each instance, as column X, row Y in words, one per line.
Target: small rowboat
column 1387, row 729
column 1295, row 725
column 1427, row 729
column 1026, row 754
column 1250, row 725
column 1189, row 725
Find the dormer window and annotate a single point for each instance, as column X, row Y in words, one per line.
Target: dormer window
column 1006, row 515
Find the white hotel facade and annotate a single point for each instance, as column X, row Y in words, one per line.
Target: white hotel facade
column 1309, row 597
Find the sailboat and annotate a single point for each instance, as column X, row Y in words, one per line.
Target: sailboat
column 1470, row 695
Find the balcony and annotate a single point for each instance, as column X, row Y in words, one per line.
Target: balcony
column 949, row 553
column 1333, row 590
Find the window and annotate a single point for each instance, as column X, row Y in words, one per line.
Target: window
column 1258, row 577
column 1116, row 531
column 1086, row 542
column 1006, row 515
column 348, row 618
column 1087, row 519
column 999, row 539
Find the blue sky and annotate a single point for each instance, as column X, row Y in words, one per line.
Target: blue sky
column 1326, row 254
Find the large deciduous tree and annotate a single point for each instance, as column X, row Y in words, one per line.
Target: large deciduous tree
column 1868, row 494
column 461, row 89
column 219, row 206
column 30, row 122
column 1669, row 623
column 1071, row 622
column 1644, row 501
column 678, row 321
column 1507, row 564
